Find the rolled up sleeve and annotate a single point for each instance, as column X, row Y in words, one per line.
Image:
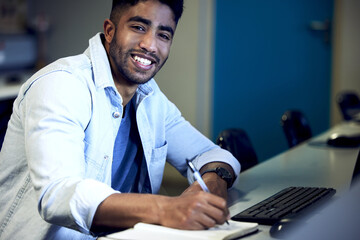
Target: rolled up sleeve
column 216, row 154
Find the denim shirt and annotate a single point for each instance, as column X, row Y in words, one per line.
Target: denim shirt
column 55, row 164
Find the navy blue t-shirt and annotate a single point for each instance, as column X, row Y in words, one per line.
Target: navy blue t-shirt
column 129, row 170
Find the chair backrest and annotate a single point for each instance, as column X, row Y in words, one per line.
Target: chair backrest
column 237, row 142
column 5, row 113
column 296, row 127
column 349, row 104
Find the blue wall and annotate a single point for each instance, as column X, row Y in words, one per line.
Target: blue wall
column 268, row 60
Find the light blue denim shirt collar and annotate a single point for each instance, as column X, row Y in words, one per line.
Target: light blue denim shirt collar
column 100, row 63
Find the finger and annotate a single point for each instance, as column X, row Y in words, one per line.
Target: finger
column 217, row 202
column 210, row 218
column 218, row 215
column 205, row 221
column 214, row 209
column 219, row 210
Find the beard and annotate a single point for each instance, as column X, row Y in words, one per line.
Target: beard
column 122, row 58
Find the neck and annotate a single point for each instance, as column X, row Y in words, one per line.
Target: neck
column 125, row 91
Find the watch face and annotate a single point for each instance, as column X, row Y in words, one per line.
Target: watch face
column 224, row 174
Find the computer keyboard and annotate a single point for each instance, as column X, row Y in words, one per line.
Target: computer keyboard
column 290, row 202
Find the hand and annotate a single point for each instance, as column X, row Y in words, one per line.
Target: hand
column 193, row 210
column 215, row 184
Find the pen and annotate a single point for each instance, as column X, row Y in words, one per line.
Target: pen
column 198, row 178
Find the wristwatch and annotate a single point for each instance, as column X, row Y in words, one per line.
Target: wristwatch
column 223, row 173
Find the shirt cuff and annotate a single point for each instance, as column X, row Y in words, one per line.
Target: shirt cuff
column 89, row 194
column 215, row 155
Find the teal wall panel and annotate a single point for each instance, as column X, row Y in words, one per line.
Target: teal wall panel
column 268, row 60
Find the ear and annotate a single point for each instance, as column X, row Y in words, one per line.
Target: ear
column 109, row 30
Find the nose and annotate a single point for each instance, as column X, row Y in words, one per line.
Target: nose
column 148, row 42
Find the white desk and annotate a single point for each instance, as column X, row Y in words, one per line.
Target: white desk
column 11, row 90
column 303, row 165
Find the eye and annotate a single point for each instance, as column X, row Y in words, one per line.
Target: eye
column 164, row 36
column 138, row 28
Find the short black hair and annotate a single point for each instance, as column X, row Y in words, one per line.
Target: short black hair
column 118, row 6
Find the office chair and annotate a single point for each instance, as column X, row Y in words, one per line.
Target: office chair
column 349, row 104
column 237, row 142
column 296, row 127
column 356, row 173
column 5, row 113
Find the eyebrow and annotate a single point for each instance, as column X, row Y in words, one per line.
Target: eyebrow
column 167, row 28
column 148, row 22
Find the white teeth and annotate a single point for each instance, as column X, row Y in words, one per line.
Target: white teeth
column 142, row 60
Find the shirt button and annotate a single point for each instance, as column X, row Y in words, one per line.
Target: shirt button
column 116, row 114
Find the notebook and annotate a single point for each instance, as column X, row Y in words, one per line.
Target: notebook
column 142, row 231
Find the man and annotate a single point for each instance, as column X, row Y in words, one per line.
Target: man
column 89, row 136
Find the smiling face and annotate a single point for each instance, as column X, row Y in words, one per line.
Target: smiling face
column 140, row 43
